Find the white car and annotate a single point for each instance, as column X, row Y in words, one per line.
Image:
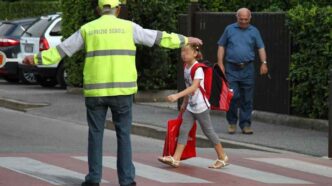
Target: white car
column 43, row 34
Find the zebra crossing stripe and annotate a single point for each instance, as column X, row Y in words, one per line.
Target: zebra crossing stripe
column 244, row 172
column 297, row 165
column 49, row 173
column 152, row 173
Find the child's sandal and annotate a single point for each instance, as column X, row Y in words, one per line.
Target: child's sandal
column 219, row 163
column 169, row 160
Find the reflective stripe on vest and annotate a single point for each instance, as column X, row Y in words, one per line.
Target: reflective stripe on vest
column 39, row 58
column 182, row 40
column 110, row 85
column 111, row 52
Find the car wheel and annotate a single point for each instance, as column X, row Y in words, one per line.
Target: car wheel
column 46, row 82
column 27, row 77
column 11, row 79
column 62, row 76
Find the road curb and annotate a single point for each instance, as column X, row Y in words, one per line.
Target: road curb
column 292, row 121
column 286, row 120
column 19, row 105
column 153, row 96
column 266, row 117
column 155, row 132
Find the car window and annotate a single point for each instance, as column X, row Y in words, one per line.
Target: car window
column 25, row 26
column 18, row 31
column 38, row 28
column 5, row 29
column 56, row 31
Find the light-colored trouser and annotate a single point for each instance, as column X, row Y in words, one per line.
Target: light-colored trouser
column 204, row 120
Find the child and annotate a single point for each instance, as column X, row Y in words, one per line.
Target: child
column 195, row 107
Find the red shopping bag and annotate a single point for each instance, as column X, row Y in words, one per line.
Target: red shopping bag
column 173, row 128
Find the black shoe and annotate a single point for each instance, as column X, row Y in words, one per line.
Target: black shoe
column 89, row 184
column 131, row 184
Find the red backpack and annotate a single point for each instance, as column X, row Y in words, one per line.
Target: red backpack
column 216, row 88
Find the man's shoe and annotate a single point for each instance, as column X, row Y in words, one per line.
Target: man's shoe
column 89, row 184
column 231, row 129
column 131, row 184
column 247, row 130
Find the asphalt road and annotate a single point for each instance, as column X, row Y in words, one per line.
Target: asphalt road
column 70, row 108
column 43, row 151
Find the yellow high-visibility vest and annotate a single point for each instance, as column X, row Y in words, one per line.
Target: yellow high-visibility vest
column 109, row 68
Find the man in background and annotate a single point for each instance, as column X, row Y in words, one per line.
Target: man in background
column 237, row 52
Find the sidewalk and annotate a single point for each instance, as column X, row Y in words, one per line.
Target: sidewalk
column 70, row 107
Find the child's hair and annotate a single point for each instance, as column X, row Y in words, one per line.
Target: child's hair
column 197, row 49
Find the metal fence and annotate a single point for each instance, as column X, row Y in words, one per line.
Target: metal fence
column 272, row 95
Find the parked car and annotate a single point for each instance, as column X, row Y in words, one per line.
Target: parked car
column 10, row 34
column 43, row 34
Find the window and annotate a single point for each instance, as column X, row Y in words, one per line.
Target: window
column 38, row 28
column 56, row 31
column 6, row 28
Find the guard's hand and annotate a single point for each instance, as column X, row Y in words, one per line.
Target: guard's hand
column 29, row 60
column 172, row 97
column 264, row 69
column 195, row 41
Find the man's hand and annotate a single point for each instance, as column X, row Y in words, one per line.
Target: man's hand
column 29, row 60
column 194, row 41
column 264, row 70
column 222, row 67
column 183, row 107
column 172, row 97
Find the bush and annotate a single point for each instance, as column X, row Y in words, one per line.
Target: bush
column 258, row 6
column 311, row 58
column 74, row 16
column 156, row 66
column 21, row 9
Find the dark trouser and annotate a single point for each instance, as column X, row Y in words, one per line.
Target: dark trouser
column 241, row 80
column 121, row 107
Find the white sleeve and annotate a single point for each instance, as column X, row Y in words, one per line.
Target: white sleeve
column 199, row 74
column 72, row 44
column 143, row 36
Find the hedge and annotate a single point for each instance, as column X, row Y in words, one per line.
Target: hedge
column 311, row 59
column 74, row 16
column 156, row 66
column 258, row 6
column 23, row 9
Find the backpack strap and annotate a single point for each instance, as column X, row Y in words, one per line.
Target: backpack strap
column 193, row 70
column 192, row 74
